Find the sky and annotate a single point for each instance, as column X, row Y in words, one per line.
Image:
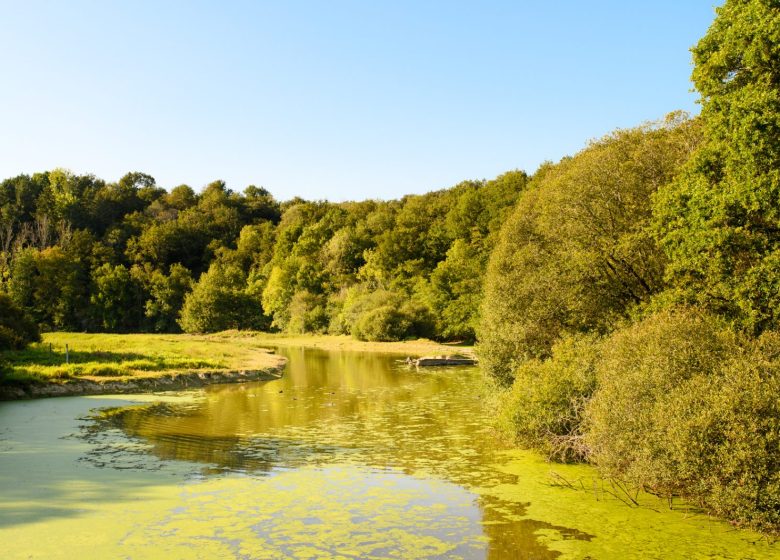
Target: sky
column 336, row 99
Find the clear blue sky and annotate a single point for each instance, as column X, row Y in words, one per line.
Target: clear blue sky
column 332, row 99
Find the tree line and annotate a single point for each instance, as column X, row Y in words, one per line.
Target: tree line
column 81, row 254
column 631, row 315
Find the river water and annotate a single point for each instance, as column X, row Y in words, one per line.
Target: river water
column 347, row 456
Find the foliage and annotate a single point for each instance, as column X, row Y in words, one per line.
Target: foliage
column 390, row 323
column 219, row 301
column 644, row 372
column 544, row 408
column 17, row 330
column 381, row 315
column 665, row 240
column 82, row 254
column 52, row 285
column 382, row 323
column 686, row 407
column 720, row 222
column 307, row 314
column 116, row 299
column 166, row 297
column 577, row 254
column 454, row 292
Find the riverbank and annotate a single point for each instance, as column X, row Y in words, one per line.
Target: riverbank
column 93, row 364
column 411, row 348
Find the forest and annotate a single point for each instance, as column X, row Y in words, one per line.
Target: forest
column 80, row 254
column 625, row 301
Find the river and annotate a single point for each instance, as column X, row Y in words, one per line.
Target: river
column 347, row 456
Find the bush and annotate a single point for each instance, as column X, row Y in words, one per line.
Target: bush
column 684, row 407
column 744, row 484
column 544, row 408
column 384, row 323
column 382, row 315
column 307, row 314
column 17, row 330
column 354, row 302
column 642, row 374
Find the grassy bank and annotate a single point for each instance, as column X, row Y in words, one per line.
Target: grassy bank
column 100, row 357
column 130, row 357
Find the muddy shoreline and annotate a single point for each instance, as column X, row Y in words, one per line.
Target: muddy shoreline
column 151, row 384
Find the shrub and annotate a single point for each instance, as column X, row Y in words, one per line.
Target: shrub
column 220, row 301
column 743, row 433
column 386, row 323
column 684, row 407
column 382, row 315
column 307, row 314
column 355, row 302
column 544, row 408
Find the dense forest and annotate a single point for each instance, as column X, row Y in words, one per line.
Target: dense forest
column 625, row 301
column 82, row 254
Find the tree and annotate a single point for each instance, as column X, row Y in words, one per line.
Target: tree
column 117, row 299
column 53, row 286
column 454, row 292
column 181, row 197
column 577, row 254
column 66, row 198
column 166, row 296
column 220, row 301
column 114, row 201
column 720, row 222
column 17, row 329
column 307, row 313
column 258, row 205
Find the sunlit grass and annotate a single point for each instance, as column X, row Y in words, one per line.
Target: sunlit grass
column 123, row 356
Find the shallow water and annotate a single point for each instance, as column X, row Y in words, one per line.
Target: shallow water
column 346, row 456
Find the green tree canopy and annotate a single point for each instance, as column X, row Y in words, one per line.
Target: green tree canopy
column 720, row 222
column 220, row 301
column 577, row 254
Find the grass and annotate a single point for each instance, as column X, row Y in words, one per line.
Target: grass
column 126, row 356
column 115, row 356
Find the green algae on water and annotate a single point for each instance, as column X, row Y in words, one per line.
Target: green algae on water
column 347, row 456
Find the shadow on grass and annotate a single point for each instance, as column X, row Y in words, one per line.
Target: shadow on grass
column 41, row 355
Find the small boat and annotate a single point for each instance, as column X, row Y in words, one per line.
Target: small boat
column 456, row 360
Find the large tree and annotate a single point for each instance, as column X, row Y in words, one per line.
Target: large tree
column 720, row 222
column 576, row 254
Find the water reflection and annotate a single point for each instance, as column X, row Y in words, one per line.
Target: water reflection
column 344, row 410
column 327, row 406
